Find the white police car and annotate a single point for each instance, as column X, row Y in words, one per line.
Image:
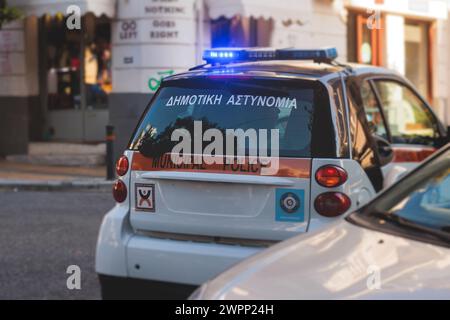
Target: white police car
column 396, row 247
column 254, row 147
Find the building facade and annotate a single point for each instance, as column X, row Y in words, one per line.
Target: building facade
column 66, row 84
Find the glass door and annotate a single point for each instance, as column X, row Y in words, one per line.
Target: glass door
column 75, row 78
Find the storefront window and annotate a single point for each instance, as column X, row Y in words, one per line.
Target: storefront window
column 240, row 32
column 64, row 63
column 97, row 64
column 365, row 39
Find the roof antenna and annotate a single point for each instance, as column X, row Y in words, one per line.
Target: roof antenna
column 347, row 67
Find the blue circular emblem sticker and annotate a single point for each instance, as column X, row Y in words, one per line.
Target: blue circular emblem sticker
column 290, row 202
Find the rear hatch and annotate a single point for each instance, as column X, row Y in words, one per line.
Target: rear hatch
column 225, row 201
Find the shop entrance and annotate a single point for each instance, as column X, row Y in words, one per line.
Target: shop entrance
column 75, row 78
column 418, row 63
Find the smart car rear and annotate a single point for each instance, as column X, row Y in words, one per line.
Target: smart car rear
column 225, row 161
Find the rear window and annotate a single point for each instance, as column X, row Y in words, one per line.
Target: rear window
column 299, row 110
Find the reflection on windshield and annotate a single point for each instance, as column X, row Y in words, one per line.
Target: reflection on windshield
column 428, row 204
column 152, row 143
column 236, row 105
column 417, row 207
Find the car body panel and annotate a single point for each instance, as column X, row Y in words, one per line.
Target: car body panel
column 214, row 203
column 181, row 261
column 115, row 232
column 358, row 187
column 343, row 261
column 406, row 158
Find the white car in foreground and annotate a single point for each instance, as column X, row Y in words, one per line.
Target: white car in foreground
column 396, row 247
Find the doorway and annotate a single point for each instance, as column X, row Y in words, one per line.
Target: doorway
column 75, row 78
column 418, row 64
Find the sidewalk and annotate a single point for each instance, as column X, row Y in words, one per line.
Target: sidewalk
column 25, row 176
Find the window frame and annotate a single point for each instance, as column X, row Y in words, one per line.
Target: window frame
column 358, row 111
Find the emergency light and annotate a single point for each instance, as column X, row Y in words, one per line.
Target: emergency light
column 229, row 55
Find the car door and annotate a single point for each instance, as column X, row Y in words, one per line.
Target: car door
column 402, row 124
column 362, row 136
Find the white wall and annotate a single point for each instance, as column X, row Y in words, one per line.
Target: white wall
column 395, row 43
column 325, row 27
column 18, row 58
column 152, row 39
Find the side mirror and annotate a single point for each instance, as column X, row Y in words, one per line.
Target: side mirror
column 384, row 149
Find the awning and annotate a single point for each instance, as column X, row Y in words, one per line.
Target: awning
column 52, row 7
column 268, row 9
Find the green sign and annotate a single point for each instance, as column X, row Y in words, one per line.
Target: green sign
column 155, row 82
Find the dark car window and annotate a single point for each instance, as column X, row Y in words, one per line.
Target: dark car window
column 292, row 107
column 418, row 206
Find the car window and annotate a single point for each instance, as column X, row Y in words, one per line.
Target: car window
column 238, row 104
column 408, row 118
column 372, row 110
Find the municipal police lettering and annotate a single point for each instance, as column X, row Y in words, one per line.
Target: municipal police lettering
column 233, row 100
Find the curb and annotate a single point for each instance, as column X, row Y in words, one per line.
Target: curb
column 28, row 185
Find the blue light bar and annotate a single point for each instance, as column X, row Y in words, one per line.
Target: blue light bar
column 326, row 54
column 229, row 55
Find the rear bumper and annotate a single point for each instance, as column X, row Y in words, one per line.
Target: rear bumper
column 121, row 253
column 115, row 288
column 181, row 261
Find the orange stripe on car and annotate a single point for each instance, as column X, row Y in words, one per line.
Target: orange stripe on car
column 288, row 167
column 412, row 154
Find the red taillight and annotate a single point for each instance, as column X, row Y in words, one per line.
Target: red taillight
column 331, row 176
column 122, row 166
column 332, row 204
column 120, row 191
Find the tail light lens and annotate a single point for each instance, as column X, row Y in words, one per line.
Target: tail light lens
column 122, row 166
column 331, row 176
column 332, row 204
column 120, row 191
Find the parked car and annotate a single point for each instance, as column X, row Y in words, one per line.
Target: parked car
column 344, row 132
column 396, row 247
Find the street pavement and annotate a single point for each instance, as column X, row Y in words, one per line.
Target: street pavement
column 40, row 177
column 41, row 234
column 35, row 172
